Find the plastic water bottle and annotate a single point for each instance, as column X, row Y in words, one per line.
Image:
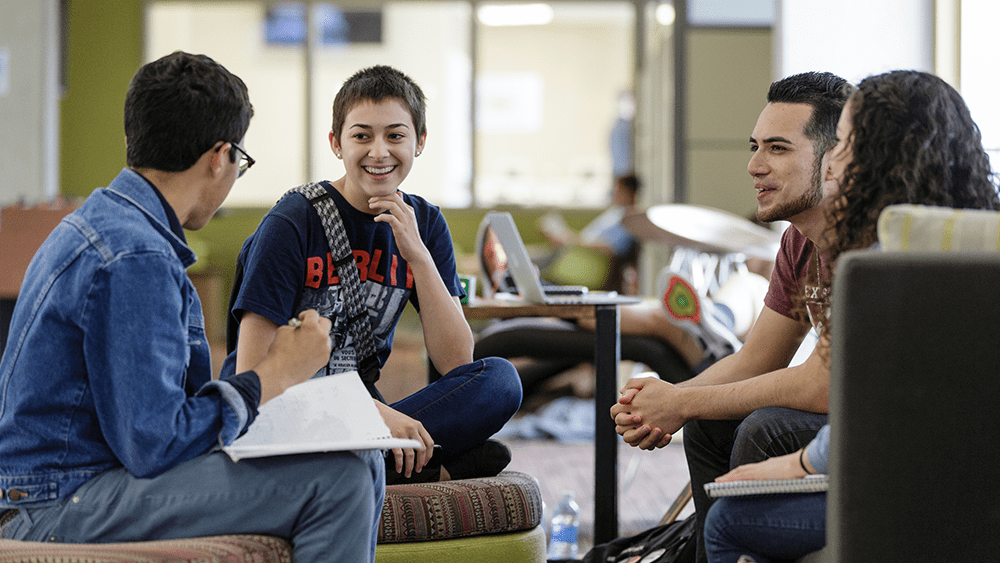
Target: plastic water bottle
column 565, row 525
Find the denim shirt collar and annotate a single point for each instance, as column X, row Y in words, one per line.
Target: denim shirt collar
column 140, row 192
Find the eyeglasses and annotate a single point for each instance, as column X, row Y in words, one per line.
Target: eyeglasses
column 246, row 161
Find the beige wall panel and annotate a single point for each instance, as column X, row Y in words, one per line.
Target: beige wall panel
column 729, row 72
column 719, row 179
column 585, row 67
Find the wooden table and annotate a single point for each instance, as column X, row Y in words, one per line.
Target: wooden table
column 607, row 354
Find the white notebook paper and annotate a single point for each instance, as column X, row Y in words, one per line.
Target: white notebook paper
column 807, row 484
column 324, row 414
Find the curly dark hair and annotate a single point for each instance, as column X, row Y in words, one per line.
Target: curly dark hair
column 913, row 141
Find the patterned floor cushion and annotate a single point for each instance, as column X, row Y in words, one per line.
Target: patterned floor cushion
column 509, row 502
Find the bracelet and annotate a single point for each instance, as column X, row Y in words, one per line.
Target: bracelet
column 802, row 452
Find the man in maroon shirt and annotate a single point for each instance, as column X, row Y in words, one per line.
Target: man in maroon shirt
column 751, row 405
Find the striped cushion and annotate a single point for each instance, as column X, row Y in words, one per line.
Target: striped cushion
column 923, row 227
column 508, row 502
column 216, row 549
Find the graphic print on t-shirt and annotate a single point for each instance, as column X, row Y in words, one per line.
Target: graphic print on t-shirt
column 384, row 305
column 817, row 296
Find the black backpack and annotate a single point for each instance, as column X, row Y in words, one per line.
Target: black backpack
column 669, row 543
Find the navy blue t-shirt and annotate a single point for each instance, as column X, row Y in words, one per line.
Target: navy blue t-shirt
column 288, row 267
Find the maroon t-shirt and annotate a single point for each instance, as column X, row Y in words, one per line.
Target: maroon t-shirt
column 797, row 270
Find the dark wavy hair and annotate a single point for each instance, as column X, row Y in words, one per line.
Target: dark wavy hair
column 179, row 106
column 913, row 141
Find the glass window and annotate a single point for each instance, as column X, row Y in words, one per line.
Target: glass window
column 263, row 43
column 551, row 93
column 979, row 78
column 738, row 13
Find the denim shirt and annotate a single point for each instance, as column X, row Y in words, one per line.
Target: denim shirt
column 107, row 364
column 819, row 450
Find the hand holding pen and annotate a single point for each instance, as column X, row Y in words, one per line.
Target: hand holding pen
column 299, row 350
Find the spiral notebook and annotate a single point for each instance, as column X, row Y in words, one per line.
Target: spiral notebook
column 808, row 484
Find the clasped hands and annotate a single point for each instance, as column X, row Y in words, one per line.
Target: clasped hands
column 645, row 414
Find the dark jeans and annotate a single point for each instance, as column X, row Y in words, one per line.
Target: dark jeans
column 466, row 406
column 766, row 527
column 713, row 447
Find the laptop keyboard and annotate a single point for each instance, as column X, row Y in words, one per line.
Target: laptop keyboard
column 558, row 290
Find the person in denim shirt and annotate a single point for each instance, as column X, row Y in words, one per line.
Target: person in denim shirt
column 110, row 421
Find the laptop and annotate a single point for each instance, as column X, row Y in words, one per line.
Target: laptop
column 526, row 278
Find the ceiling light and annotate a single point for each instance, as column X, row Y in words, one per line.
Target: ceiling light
column 515, row 14
column 665, row 14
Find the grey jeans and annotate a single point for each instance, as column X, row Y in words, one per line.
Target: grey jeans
column 328, row 505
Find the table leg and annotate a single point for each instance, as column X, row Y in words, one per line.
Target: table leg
column 607, row 353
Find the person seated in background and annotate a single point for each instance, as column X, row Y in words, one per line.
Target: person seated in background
column 605, row 234
column 937, row 159
column 402, row 252
column 675, row 335
column 111, row 422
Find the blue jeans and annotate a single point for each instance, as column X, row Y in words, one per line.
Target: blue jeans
column 328, row 505
column 466, row 406
column 765, row 527
column 713, row 447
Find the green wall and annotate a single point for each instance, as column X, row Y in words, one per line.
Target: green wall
column 104, row 49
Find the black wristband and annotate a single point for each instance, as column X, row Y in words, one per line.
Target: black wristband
column 802, row 452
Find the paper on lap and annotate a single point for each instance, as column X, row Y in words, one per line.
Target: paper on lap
column 331, row 413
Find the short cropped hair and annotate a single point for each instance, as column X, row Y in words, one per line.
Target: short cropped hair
column 376, row 84
column 826, row 93
column 178, row 107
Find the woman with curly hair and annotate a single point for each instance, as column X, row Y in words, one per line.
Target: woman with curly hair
column 903, row 137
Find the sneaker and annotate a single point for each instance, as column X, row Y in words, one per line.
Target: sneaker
column 430, row 473
column 709, row 323
column 485, row 460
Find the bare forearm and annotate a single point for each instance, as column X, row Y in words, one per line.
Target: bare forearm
column 805, row 387
column 726, row 370
column 256, row 335
column 447, row 335
column 293, row 354
column 770, row 347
